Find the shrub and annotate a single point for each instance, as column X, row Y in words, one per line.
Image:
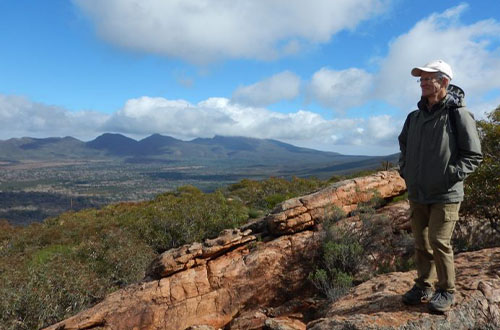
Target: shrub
column 385, row 250
column 39, row 287
column 358, row 248
column 333, row 285
column 265, row 195
column 339, row 258
column 186, row 216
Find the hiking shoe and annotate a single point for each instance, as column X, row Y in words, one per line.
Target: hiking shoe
column 416, row 295
column 441, row 301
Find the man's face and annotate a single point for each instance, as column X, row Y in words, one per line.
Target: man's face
column 429, row 84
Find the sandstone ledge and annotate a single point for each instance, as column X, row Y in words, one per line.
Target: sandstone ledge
column 209, row 294
column 304, row 212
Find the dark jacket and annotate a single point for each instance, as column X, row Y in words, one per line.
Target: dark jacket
column 439, row 148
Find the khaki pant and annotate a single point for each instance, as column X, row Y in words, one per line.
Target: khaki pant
column 432, row 226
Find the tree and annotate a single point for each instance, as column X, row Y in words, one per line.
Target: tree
column 482, row 188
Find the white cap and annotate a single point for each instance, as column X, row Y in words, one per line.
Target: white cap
column 434, row 66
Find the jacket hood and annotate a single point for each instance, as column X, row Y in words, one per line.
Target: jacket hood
column 456, row 96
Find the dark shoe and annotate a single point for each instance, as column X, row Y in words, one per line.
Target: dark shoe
column 416, row 295
column 441, row 301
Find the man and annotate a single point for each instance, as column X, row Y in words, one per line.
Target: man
column 439, row 147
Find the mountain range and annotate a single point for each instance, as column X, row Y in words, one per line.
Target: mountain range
column 230, row 151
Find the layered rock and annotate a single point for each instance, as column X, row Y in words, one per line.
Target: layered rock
column 289, row 217
column 196, row 254
column 303, row 212
column 208, row 294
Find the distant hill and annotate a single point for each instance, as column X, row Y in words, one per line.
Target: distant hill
column 237, row 151
column 114, row 144
column 45, row 149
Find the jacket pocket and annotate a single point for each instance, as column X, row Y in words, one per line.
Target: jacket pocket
column 437, row 184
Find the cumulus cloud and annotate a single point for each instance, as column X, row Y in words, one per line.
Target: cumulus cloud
column 472, row 51
column 22, row 117
column 340, row 90
column 220, row 116
column 203, row 31
column 215, row 116
column 282, row 86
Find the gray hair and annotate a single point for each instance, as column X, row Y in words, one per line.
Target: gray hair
column 441, row 75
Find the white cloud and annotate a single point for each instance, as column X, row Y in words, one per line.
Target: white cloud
column 472, row 51
column 219, row 116
column 281, row 86
column 203, row 30
column 382, row 129
column 340, row 90
column 215, row 116
column 22, row 117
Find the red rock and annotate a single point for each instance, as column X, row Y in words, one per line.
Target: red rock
column 212, row 294
column 304, row 212
column 284, row 323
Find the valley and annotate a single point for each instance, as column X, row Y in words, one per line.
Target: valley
column 42, row 178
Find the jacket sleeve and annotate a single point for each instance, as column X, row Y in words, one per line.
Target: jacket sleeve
column 402, row 138
column 469, row 146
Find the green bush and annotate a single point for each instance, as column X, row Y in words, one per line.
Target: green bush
column 266, row 194
column 41, row 286
column 333, row 285
column 186, row 216
column 339, row 258
column 355, row 251
column 482, row 188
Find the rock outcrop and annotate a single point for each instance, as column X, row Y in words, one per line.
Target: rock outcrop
column 255, row 277
column 289, row 217
column 299, row 213
column 376, row 304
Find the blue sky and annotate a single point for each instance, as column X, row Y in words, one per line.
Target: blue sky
column 329, row 75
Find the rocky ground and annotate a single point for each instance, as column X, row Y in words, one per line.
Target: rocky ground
column 255, row 277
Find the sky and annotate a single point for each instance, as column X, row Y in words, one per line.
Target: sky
column 331, row 75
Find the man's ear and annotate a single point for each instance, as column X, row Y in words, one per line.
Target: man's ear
column 445, row 81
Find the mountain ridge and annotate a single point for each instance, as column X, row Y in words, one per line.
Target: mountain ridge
column 160, row 147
